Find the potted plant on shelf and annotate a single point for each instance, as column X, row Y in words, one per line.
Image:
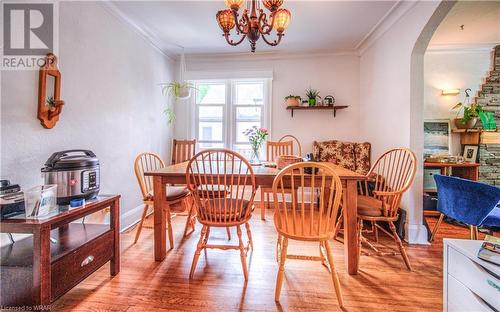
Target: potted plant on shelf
column 312, row 94
column 256, row 136
column 470, row 117
column 293, row 100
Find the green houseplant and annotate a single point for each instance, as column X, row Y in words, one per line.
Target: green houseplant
column 470, row 117
column 293, row 100
column 50, row 101
column 312, row 94
column 178, row 91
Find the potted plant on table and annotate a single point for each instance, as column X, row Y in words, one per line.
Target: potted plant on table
column 256, row 136
column 470, row 117
column 312, row 94
column 293, row 100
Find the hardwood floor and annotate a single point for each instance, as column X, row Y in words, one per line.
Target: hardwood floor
column 383, row 284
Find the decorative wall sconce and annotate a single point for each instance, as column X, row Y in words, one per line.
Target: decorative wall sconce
column 49, row 92
column 450, row 92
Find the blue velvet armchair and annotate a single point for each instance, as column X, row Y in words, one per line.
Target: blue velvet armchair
column 470, row 202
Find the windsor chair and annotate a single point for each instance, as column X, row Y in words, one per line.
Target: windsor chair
column 145, row 162
column 379, row 196
column 312, row 221
column 209, row 174
column 284, row 146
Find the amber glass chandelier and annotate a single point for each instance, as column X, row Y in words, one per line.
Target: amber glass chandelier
column 254, row 22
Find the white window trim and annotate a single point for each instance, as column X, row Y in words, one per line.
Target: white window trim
column 228, row 110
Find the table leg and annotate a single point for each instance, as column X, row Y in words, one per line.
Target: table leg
column 115, row 226
column 41, row 266
column 160, row 238
column 350, row 228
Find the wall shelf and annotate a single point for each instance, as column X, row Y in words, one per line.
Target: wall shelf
column 478, row 136
column 309, row 108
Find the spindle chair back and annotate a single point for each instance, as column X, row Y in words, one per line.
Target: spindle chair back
column 276, row 148
column 183, row 150
column 285, row 146
column 147, row 162
column 210, row 173
column 391, row 176
column 295, row 141
column 313, row 220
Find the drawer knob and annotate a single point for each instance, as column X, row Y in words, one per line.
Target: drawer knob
column 87, row 260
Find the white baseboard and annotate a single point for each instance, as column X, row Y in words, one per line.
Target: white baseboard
column 417, row 234
column 130, row 218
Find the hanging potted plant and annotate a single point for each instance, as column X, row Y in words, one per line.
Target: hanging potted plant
column 179, row 90
column 312, row 95
column 470, row 117
column 293, row 100
column 176, row 90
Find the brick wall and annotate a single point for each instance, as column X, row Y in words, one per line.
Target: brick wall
column 489, row 98
column 489, row 159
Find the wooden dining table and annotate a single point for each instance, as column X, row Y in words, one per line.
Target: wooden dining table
column 264, row 177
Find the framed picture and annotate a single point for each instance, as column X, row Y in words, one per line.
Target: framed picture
column 436, row 137
column 470, row 153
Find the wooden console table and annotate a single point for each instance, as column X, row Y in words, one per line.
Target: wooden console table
column 463, row 170
column 59, row 254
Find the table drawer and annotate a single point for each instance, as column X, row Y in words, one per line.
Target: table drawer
column 80, row 263
column 460, row 298
column 480, row 281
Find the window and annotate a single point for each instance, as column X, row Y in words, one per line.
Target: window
column 226, row 108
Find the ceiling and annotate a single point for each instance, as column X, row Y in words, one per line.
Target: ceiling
column 315, row 26
column 481, row 25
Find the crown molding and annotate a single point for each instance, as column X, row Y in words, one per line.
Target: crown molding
column 385, row 23
column 267, row 55
column 461, row 47
column 139, row 29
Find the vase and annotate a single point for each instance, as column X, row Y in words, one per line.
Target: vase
column 312, row 102
column 254, row 157
column 465, row 125
column 292, row 102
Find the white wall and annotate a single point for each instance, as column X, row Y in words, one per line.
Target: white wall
column 460, row 69
column 336, row 75
column 452, row 70
column 388, row 115
column 113, row 105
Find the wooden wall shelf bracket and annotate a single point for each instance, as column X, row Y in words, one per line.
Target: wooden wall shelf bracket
column 49, row 93
column 308, row 108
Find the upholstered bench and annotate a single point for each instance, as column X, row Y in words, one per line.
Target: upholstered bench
column 352, row 156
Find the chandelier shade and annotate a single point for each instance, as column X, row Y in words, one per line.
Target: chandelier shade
column 234, row 4
column 272, row 5
column 226, row 21
column 281, row 20
column 254, row 22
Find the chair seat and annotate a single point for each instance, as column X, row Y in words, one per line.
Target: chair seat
column 493, row 219
column 369, row 206
column 173, row 193
column 216, row 206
